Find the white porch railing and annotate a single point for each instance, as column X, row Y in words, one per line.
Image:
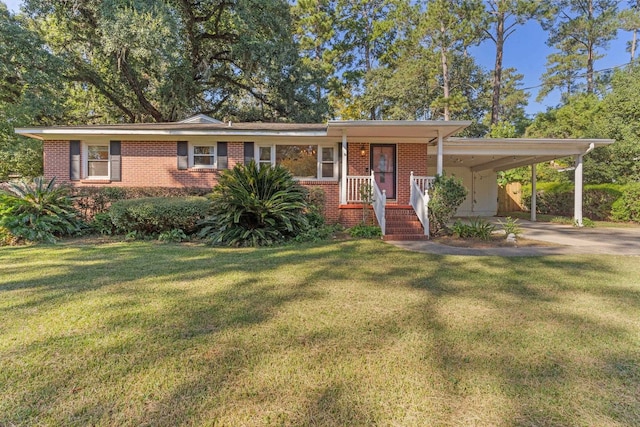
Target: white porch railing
column 419, row 198
column 355, row 187
column 359, row 186
column 379, row 202
column 424, row 182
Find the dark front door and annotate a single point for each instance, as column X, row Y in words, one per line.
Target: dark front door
column 383, row 164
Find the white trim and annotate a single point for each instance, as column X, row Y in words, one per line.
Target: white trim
column 191, row 154
column 534, row 193
column 440, row 154
column 319, row 162
column 200, row 118
column 85, row 160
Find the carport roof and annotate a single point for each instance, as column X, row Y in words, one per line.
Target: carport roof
column 500, row 154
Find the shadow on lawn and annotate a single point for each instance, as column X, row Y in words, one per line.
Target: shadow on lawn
column 556, row 359
column 202, row 333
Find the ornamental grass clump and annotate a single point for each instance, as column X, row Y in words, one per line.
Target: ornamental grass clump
column 39, row 211
column 256, row 206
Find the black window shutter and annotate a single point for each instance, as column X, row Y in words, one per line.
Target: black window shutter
column 223, row 160
column 248, row 152
column 115, row 159
column 183, row 155
column 74, row 160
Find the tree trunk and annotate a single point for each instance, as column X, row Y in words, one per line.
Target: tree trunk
column 590, row 48
column 445, row 75
column 497, row 73
column 634, row 41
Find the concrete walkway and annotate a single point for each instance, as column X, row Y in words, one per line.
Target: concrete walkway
column 566, row 240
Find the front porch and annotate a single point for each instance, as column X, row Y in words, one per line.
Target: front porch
column 397, row 221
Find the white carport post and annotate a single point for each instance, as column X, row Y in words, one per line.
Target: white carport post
column 440, row 155
column 534, row 193
column 343, row 176
column 577, row 206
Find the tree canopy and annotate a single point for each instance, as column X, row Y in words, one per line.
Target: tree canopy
column 116, row 61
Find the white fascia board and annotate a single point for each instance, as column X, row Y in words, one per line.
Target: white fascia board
column 43, row 133
column 402, row 123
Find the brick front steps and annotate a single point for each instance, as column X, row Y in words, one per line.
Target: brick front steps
column 402, row 224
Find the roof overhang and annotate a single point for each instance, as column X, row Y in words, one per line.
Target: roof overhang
column 171, row 132
column 499, row 154
column 395, row 130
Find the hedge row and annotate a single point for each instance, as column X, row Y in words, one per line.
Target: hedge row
column 154, row 215
column 601, row 202
column 95, row 200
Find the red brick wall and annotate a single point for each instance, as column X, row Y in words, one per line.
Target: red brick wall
column 411, row 157
column 56, row 160
column 235, row 153
column 154, row 164
column 331, row 191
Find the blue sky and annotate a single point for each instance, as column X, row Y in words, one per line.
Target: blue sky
column 526, row 51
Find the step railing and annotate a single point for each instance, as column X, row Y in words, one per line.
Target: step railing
column 424, row 182
column 419, row 199
column 379, row 203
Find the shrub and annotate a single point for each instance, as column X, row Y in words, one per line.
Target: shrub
column 175, row 235
column 256, row 206
column 558, row 199
column 102, row 224
column 38, row 211
column 315, row 207
column 149, row 216
column 91, row 201
column 627, row 207
column 365, row 231
column 445, row 196
column 477, row 228
column 6, row 238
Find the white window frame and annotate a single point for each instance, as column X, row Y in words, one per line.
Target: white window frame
column 319, row 161
column 192, row 146
column 85, row 160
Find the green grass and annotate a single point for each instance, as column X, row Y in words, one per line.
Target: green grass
column 569, row 220
column 346, row 333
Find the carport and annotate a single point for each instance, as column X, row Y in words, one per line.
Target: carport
column 479, row 159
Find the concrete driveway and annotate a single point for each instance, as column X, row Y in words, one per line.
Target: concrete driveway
column 566, row 239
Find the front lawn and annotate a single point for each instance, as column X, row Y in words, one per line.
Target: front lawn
column 346, row 333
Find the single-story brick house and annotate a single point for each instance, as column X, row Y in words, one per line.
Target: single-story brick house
column 398, row 159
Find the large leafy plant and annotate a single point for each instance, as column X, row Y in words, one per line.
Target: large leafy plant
column 39, row 211
column 256, row 206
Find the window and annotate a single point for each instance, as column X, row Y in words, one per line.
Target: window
column 264, row 156
column 100, row 160
column 97, row 161
column 202, row 155
column 305, row 161
column 328, row 162
column 301, row 160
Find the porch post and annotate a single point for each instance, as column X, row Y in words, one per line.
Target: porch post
column 534, row 192
column 343, row 175
column 577, row 209
column 440, row 157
